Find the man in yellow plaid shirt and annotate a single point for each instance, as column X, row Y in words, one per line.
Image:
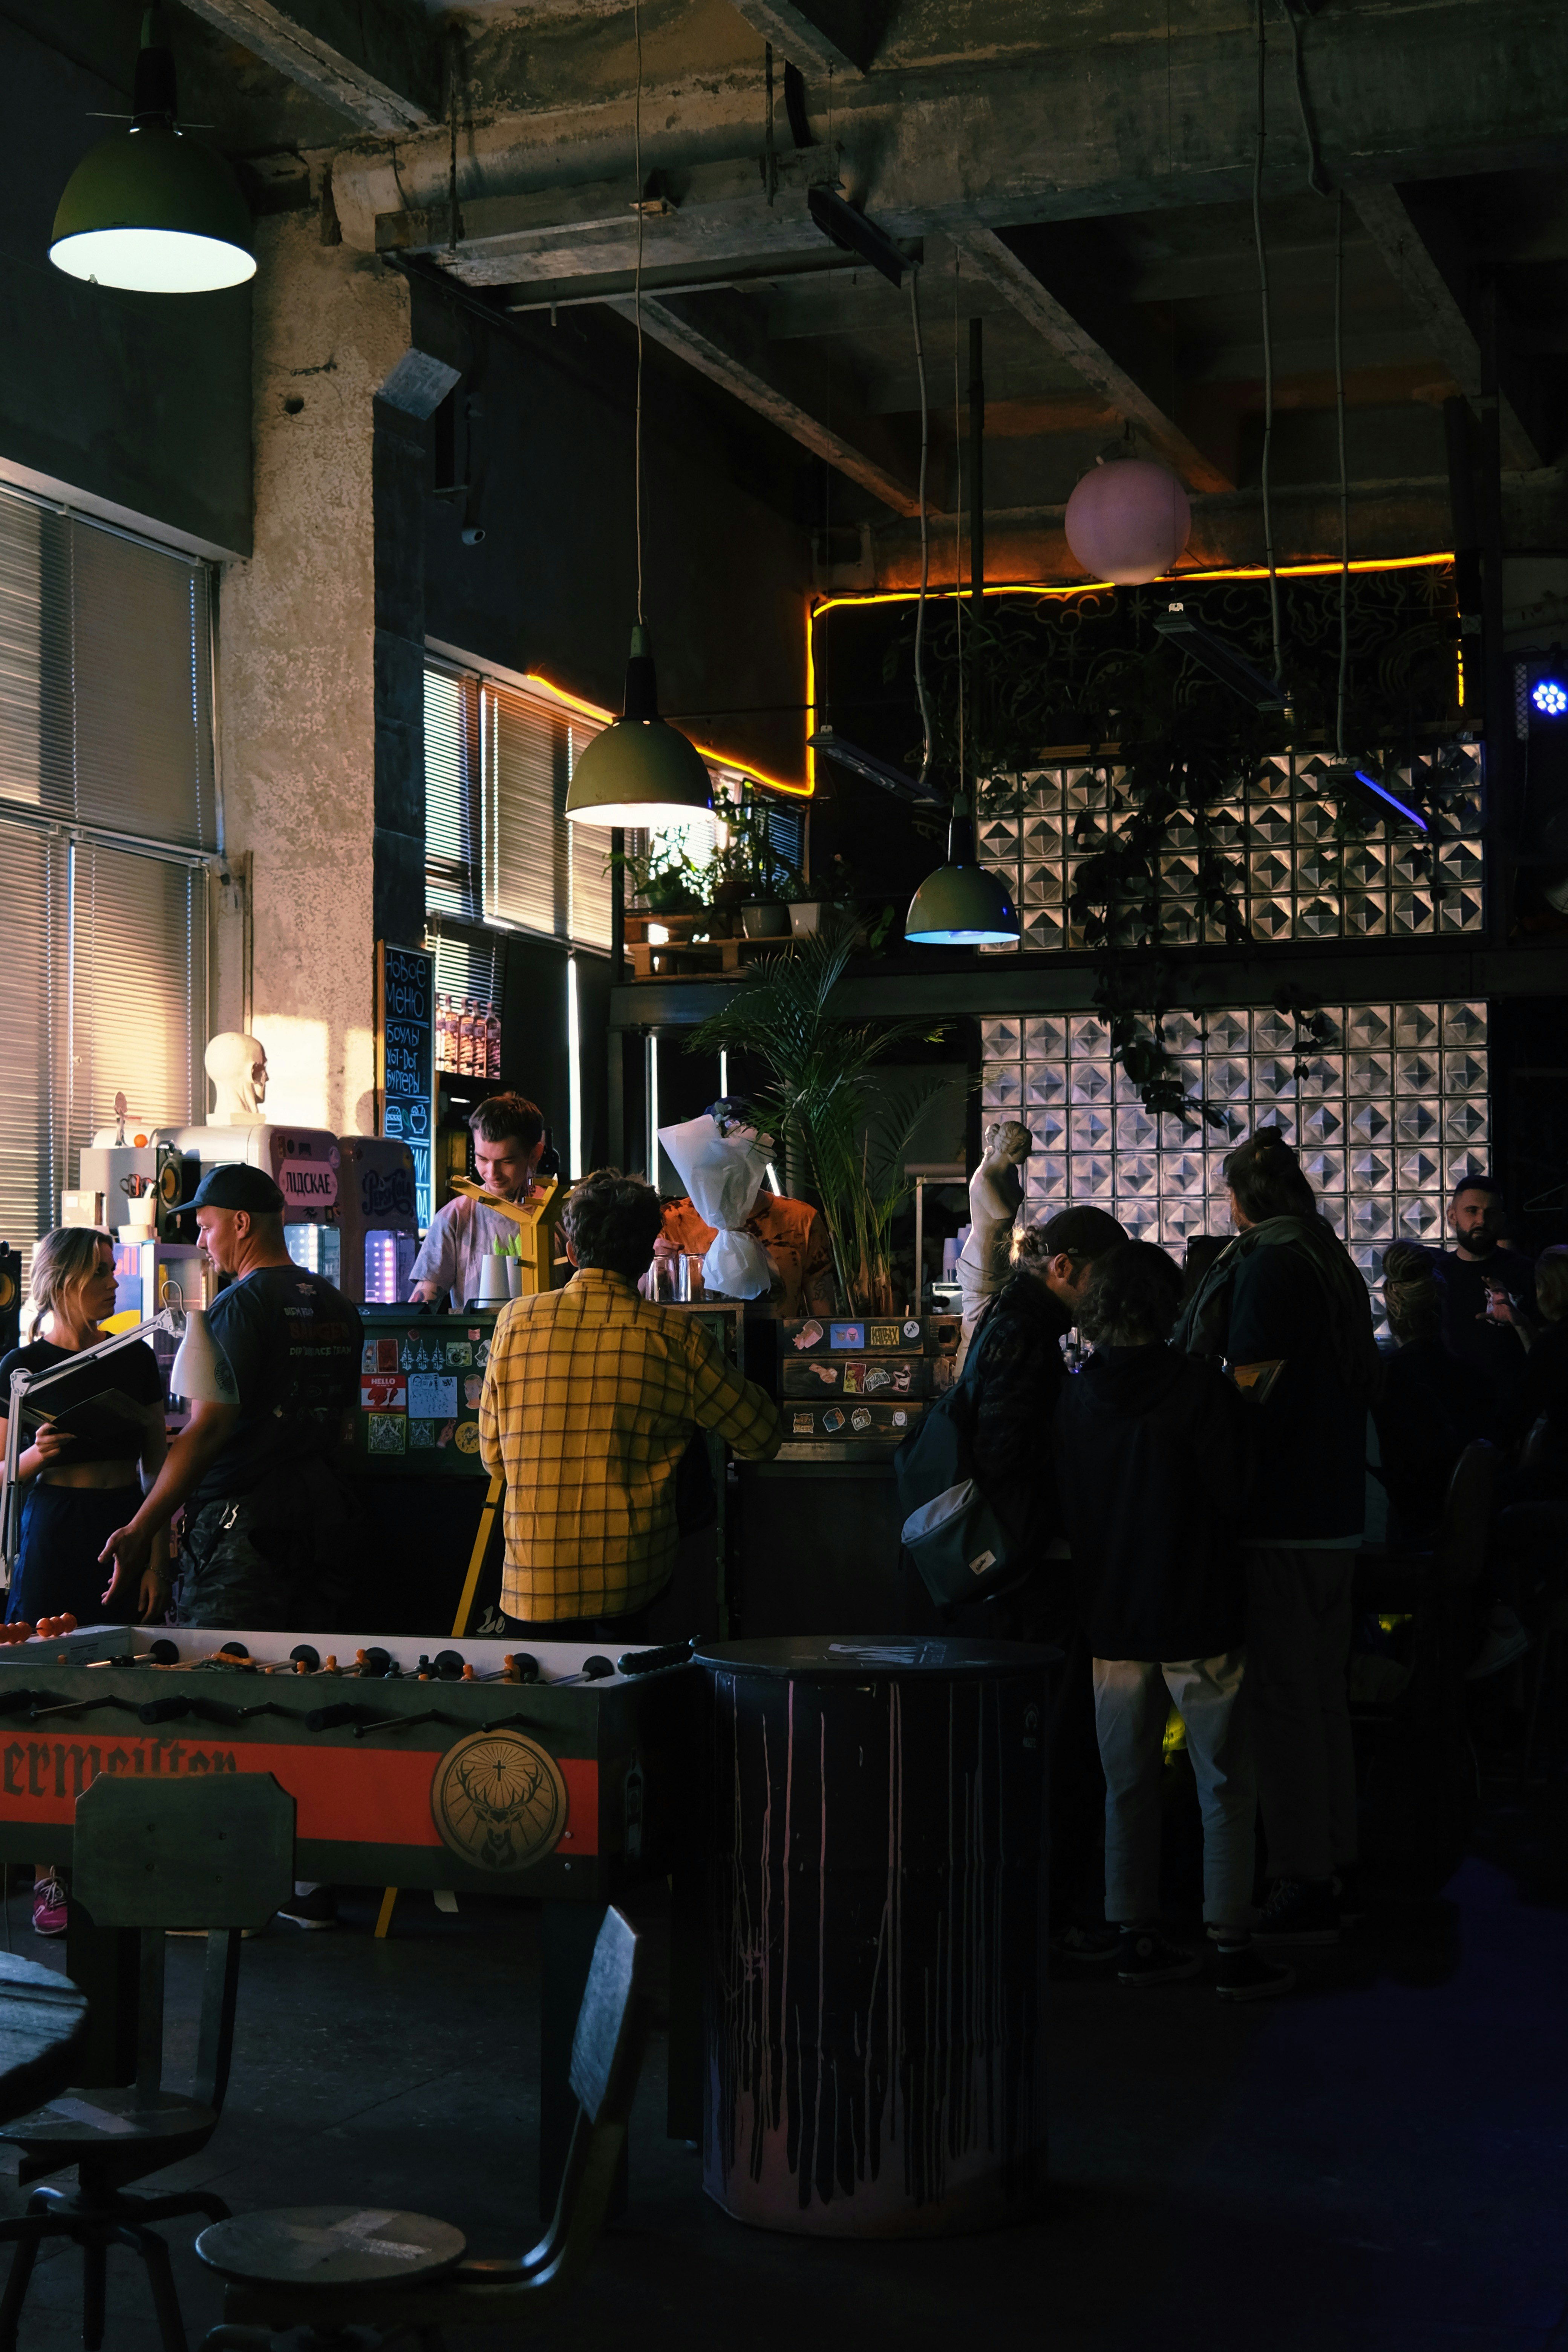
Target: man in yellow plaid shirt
column 590, row 1397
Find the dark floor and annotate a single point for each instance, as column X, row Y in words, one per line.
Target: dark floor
column 1377, row 2165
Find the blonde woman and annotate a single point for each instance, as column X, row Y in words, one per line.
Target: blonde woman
column 77, row 1491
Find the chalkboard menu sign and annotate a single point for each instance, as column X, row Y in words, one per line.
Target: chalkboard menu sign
column 405, row 1056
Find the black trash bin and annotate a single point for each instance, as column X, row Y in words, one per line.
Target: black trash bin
column 877, row 1933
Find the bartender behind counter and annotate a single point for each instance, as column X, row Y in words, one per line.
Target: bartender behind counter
column 508, row 1143
column 793, row 1235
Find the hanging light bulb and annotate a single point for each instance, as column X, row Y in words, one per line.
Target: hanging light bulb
column 961, row 905
column 151, row 209
column 640, row 771
column 1128, row 520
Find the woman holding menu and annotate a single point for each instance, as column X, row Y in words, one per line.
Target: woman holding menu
column 80, row 1488
column 76, row 1485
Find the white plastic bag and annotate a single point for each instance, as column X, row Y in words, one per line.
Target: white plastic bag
column 723, row 1174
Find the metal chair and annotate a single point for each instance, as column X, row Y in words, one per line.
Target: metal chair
column 326, row 2269
column 216, row 1854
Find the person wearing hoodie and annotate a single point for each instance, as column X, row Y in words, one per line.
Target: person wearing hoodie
column 1287, row 1309
column 1154, row 1457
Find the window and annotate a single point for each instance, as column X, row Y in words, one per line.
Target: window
column 498, row 848
column 451, row 794
column 108, row 808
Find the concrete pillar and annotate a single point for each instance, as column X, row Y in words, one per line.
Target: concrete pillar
column 297, row 676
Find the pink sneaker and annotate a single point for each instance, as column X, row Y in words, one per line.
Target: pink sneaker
column 48, row 1907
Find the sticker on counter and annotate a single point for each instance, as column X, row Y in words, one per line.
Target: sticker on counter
column 902, row 1376
column 808, row 1335
column 459, row 1353
column 385, row 1432
column 912, row 1329
column 832, row 1421
column 846, row 1335
column 386, row 1356
column 421, row 1436
column 467, row 1437
column 854, row 1379
column 826, row 1373
column 432, row 1397
column 802, row 1425
column 882, row 1335
column 367, row 1357
column 877, row 1376
column 900, row 1421
column 860, row 1418
column 384, row 1393
column 473, row 1390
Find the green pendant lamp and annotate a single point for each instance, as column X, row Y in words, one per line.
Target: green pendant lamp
column 151, row 209
column 961, row 905
column 641, row 772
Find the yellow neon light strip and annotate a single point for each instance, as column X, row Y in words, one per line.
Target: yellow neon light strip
column 1080, row 588
column 746, row 768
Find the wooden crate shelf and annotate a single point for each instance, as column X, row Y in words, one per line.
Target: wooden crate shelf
column 680, row 956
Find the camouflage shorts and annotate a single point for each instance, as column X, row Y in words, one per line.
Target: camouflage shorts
column 243, row 1564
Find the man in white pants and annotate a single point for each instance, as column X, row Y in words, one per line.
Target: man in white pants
column 1154, row 1457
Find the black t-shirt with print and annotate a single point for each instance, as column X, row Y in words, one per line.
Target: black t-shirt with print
column 293, row 1344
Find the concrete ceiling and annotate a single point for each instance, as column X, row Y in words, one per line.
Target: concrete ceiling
column 1077, row 173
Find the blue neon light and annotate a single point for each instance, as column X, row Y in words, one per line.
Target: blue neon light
column 1550, row 697
column 1414, row 816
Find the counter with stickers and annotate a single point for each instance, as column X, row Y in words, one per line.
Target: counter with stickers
column 420, row 1381
column 817, row 1550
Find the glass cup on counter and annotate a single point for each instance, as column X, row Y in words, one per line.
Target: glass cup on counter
column 689, row 1290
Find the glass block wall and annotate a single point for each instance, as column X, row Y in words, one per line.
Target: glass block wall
column 1297, row 880
column 1387, row 1115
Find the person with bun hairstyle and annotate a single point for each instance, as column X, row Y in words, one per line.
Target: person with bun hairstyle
column 1286, row 1309
column 78, row 1491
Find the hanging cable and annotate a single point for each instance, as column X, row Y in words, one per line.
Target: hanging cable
column 925, row 528
column 636, row 294
column 1344, row 477
column 1316, row 179
column 958, row 526
column 454, row 39
column 1267, row 341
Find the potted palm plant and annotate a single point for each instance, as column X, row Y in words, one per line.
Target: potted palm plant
column 844, row 1136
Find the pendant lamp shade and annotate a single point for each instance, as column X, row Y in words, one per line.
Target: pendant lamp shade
column 641, row 772
column 1128, row 520
column 961, row 905
column 150, row 209
column 201, row 1372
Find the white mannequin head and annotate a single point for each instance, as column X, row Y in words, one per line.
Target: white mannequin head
column 237, row 1066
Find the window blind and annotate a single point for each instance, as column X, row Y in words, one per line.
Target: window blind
column 105, row 679
column 35, row 890
column 593, row 880
column 138, row 992
column 451, row 786
column 469, row 962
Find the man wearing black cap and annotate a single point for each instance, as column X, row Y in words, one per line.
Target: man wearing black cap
column 266, row 1522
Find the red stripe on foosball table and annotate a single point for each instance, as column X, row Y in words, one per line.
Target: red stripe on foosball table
column 369, row 1796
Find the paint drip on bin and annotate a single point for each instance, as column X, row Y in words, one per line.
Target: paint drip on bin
column 877, row 1949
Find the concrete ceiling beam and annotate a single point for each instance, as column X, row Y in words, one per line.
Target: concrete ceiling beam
column 722, row 339
column 1142, row 124
column 1428, row 262
column 824, row 37
column 998, row 259
column 378, row 61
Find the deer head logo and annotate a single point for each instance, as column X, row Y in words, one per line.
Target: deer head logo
column 499, row 1801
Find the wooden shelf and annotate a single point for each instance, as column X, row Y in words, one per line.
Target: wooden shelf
column 678, row 955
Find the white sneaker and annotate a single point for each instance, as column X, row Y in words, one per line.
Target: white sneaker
column 1502, row 1645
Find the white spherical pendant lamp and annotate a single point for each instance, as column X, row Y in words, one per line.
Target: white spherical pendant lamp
column 1128, row 520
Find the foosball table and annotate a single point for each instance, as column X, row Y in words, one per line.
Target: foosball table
column 561, row 1773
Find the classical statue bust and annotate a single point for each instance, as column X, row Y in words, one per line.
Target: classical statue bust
column 238, row 1067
